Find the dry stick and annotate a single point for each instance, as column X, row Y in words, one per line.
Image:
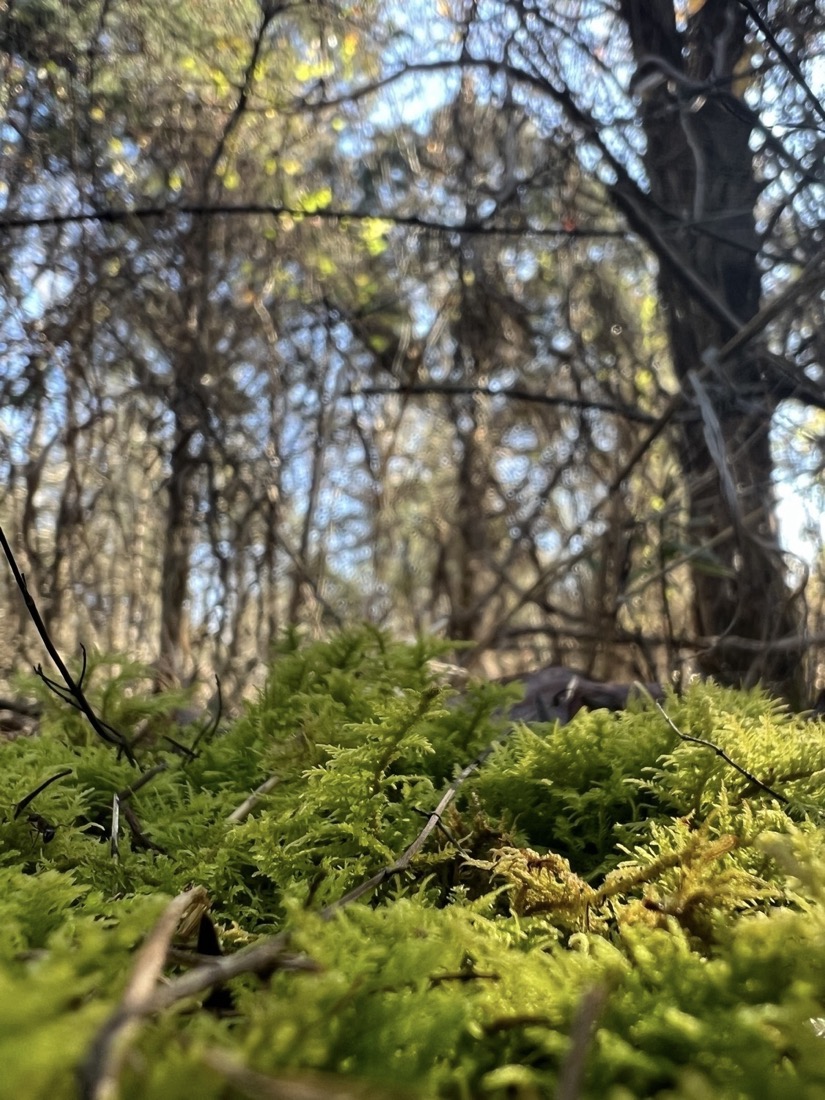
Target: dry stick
column 119, row 803
column 138, row 836
column 30, row 797
column 571, row 1076
column 304, row 1086
column 692, row 740
column 248, row 805
column 404, row 860
column 141, row 781
column 209, row 729
column 78, row 697
column 271, row 952
column 99, row 1073
column 114, row 833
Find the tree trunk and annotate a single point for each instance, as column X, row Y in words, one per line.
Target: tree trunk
column 177, row 552
column 703, row 191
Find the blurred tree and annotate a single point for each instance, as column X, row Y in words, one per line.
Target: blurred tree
column 686, row 157
column 318, row 312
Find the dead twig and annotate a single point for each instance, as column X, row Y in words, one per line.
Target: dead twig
column 138, row 836
column 209, row 729
column 264, row 957
column 273, row 952
column 141, row 781
column 571, row 1076
column 99, row 1073
column 248, row 805
column 119, row 801
column 405, row 859
column 30, row 797
column 74, row 694
column 690, row 739
column 304, row 1086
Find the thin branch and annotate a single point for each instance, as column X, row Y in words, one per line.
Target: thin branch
column 690, row 739
column 141, row 781
column 263, row 957
column 274, row 951
column 138, row 836
column 98, row 1076
column 115, row 216
column 209, row 729
column 786, row 59
column 811, row 278
column 268, row 13
column 79, row 700
column 406, row 858
column 513, row 393
column 571, row 1074
column 712, row 360
column 248, row 805
column 114, row 832
column 30, row 797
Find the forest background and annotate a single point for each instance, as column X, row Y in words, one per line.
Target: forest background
column 497, row 320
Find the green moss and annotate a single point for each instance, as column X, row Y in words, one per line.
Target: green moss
column 607, row 868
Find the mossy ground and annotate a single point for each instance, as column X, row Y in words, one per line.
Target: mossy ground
column 605, row 910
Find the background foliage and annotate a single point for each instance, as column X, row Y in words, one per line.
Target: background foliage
column 317, row 313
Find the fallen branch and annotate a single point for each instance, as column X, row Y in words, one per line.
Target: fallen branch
column 248, row 805
column 99, row 1073
column 304, row 1086
column 571, row 1076
column 273, row 952
column 404, row 860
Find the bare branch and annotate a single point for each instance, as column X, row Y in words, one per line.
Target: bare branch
column 102, row 729
column 248, row 805
column 513, row 393
column 691, row 740
column 115, row 216
column 274, row 951
column 99, row 1073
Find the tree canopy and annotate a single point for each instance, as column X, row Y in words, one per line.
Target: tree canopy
column 497, row 320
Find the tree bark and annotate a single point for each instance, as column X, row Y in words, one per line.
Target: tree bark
column 703, row 192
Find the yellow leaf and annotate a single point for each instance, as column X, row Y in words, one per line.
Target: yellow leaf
column 317, row 200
